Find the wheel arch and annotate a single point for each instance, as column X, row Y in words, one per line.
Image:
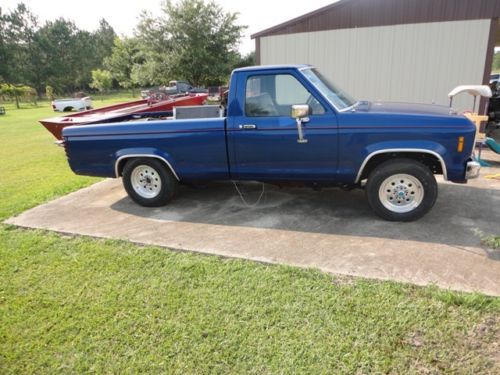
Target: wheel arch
column 123, row 156
column 430, row 158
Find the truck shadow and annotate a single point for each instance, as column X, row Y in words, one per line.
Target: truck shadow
column 460, row 212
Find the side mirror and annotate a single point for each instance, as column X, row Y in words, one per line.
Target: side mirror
column 300, row 113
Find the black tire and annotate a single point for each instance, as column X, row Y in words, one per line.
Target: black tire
column 168, row 181
column 382, row 173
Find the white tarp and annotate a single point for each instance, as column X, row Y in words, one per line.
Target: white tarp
column 474, row 90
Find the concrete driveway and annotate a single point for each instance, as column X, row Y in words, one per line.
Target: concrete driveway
column 332, row 230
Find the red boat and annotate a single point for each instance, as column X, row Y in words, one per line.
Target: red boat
column 121, row 112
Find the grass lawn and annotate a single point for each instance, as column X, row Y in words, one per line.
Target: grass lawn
column 74, row 305
column 32, row 169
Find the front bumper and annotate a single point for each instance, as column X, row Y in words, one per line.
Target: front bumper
column 472, row 169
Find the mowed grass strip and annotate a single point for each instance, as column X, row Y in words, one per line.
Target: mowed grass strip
column 85, row 305
column 32, row 169
column 74, row 305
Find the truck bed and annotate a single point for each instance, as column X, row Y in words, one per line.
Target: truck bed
column 196, row 146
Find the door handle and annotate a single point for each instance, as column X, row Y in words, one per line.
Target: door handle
column 248, row 126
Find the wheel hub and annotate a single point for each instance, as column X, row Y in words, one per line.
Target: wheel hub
column 146, row 181
column 401, row 193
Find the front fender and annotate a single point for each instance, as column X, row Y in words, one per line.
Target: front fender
column 150, row 152
column 430, row 147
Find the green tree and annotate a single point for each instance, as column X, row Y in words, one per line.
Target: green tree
column 125, row 54
column 102, row 80
column 67, row 55
column 4, row 50
column 103, row 40
column 153, row 34
column 17, row 31
column 49, row 92
column 150, row 72
column 58, row 64
column 194, row 40
column 57, row 54
column 15, row 92
column 243, row 61
column 31, row 94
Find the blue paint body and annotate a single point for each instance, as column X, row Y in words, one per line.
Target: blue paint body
column 217, row 149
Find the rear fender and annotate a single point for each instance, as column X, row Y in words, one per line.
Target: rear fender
column 143, row 152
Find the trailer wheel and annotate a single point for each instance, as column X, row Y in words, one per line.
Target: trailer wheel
column 401, row 190
column 148, row 182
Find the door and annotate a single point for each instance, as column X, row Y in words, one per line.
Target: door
column 263, row 139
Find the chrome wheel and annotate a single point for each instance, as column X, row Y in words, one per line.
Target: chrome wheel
column 401, row 193
column 146, row 181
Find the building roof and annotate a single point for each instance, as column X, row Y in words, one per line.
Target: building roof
column 346, row 14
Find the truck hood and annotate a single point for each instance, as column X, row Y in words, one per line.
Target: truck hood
column 405, row 108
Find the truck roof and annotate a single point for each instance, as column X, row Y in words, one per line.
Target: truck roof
column 271, row 67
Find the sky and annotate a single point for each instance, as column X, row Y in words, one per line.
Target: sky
column 122, row 14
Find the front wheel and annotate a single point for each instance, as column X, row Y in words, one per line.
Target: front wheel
column 148, row 182
column 401, row 190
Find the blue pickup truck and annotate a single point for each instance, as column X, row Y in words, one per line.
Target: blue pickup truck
column 286, row 124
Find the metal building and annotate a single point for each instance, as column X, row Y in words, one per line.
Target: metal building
column 395, row 50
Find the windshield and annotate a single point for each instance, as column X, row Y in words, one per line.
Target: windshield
column 339, row 98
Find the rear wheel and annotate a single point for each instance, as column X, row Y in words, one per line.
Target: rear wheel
column 401, row 190
column 148, row 182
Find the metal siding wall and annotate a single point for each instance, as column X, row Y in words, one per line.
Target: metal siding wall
column 415, row 62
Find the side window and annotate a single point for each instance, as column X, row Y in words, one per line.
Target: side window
column 273, row 95
column 289, row 91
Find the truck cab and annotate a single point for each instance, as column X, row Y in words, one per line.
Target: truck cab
column 262, row 134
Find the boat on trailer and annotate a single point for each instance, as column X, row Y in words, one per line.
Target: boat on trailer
column 123, row 112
